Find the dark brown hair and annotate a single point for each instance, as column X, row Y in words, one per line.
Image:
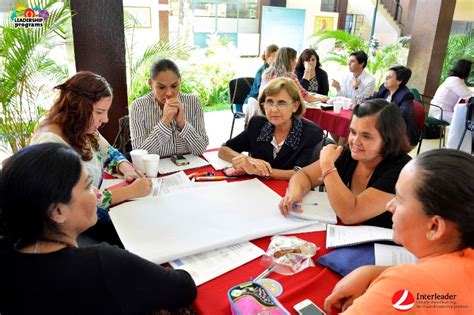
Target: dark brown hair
column 268, row 51
column 72, row 110
column 306, row 56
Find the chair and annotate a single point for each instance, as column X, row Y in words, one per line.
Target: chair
column 419, row 116
column 469, row 125
column 430, row 122
column 239, row 88
column 122, row 141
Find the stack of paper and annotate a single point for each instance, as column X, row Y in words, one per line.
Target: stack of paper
column 216, row 162
column 322, row 212
column 339, row 235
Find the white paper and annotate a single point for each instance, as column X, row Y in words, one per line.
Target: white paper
column 209, row 265
column 155, row 191
column 106, row 183
column 322, row 212
column 193, row 221
column 315, row 227
column 174, row 182
column 339, row 235
column 216, row 162
column 167, row 166
column 390, row 255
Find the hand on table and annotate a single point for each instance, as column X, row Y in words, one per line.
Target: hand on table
column 129, row 172
column 252, row 166
column 286, row 203
column 140, row 187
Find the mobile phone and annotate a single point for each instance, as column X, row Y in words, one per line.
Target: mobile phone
column 179, row 160
column 307, row 307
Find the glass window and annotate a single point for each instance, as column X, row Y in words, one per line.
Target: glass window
column 248, row 9
column 330, row 5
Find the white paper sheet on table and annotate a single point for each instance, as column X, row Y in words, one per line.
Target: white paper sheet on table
column 106, row 183
column 216, row 162
column 322, row 212
column 209, row 265
column 315, row 227
column 339, row 235
column 197, row 220
column 390, row 255
column 167, row 166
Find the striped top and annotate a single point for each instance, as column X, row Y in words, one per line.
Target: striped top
column 148, row 132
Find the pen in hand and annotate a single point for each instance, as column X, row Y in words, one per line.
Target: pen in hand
column 139, row 175
column 296, row 204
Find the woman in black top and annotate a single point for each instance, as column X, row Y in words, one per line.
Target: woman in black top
column 46, row 200
column 309, row 73
column 279, row 143
column 359, row 178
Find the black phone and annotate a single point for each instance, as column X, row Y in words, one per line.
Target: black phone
column 179, row 160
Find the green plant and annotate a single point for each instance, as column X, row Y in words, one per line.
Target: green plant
column 459, row 46
column 380, row 58
column 25, row 70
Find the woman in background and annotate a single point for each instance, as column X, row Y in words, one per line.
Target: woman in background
column 46, row 200
column 309, row 73
column 434, row 220
column 251, row 100
column 451, row 90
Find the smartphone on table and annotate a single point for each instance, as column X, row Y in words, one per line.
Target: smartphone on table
column 307, row 307
column 179, row 160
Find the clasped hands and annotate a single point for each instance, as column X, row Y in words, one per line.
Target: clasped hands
column 173, row 109
column 252, row 166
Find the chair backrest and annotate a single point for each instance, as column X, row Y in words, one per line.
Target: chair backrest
column 122, row 141
column 419, row 114
column 239, row 88
column 416, row 93
column 469, row 115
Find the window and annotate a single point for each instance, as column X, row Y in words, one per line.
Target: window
column 330, row 5
column 354, row 23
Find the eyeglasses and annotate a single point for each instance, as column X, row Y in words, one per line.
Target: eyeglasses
column 279, row 105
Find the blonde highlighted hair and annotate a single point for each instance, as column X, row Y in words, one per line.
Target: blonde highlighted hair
column 275, row 86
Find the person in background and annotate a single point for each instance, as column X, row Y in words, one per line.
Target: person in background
column 251, row 100
column 357, row 85
column 394, row 89
column 434, row 220
column 359, row 178
column 309, row 72
column 43, row 209
column 166, row 121
column 74, row 119
column 281, row 142
column 451, row 90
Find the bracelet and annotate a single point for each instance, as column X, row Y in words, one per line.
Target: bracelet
column 326, row 173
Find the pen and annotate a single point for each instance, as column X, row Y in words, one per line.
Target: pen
column 211, row 178
column 139, row 175
column 265, row 273
column 197, row 174
column 296, row 204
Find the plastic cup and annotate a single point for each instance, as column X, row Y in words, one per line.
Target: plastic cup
column 347, row 103
column 337, row 105
column 151, row 163
column 137, row 158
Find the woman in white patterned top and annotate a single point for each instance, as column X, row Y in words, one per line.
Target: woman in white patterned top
column 165, row 121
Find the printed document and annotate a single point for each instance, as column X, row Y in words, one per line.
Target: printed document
column 339, row 235
column 216, row 162
column 390, row 255
column 209, row 265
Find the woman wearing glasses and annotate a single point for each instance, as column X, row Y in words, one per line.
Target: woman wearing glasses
column 279, row 143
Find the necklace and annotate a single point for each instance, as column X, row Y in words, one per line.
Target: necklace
column 65, row 244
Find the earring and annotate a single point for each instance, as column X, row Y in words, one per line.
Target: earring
column 430, row 235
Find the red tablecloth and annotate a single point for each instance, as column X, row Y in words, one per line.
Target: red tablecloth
column 314, row 283
column 328, row 120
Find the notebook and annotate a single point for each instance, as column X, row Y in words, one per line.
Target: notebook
column 339, row 235
column 322, row 212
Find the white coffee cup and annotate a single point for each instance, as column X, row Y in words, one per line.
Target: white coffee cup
column 337, row 105
column 347, row 103
column 137, row 156
column 151, row 163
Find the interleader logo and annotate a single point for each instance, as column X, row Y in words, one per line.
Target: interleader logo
column 403, row 300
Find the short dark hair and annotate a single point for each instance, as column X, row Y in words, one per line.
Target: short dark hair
column 361, row 57
column 390, row 125
column 402, row 73
column 461, row 69
column 445, row 187
column 163, row 65
column 31, row 182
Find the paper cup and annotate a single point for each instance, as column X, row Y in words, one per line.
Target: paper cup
column 151, row 163
column 337, row 105
column 347, row 104
column 137, row 156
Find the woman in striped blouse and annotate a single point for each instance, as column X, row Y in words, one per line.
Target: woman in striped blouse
column 165, row 121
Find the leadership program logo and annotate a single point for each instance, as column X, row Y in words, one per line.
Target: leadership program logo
column 403, row 300
column 29, row 17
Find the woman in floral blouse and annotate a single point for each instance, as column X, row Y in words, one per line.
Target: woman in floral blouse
column 74, row 119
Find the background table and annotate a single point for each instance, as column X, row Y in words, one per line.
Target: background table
column 328, row 120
